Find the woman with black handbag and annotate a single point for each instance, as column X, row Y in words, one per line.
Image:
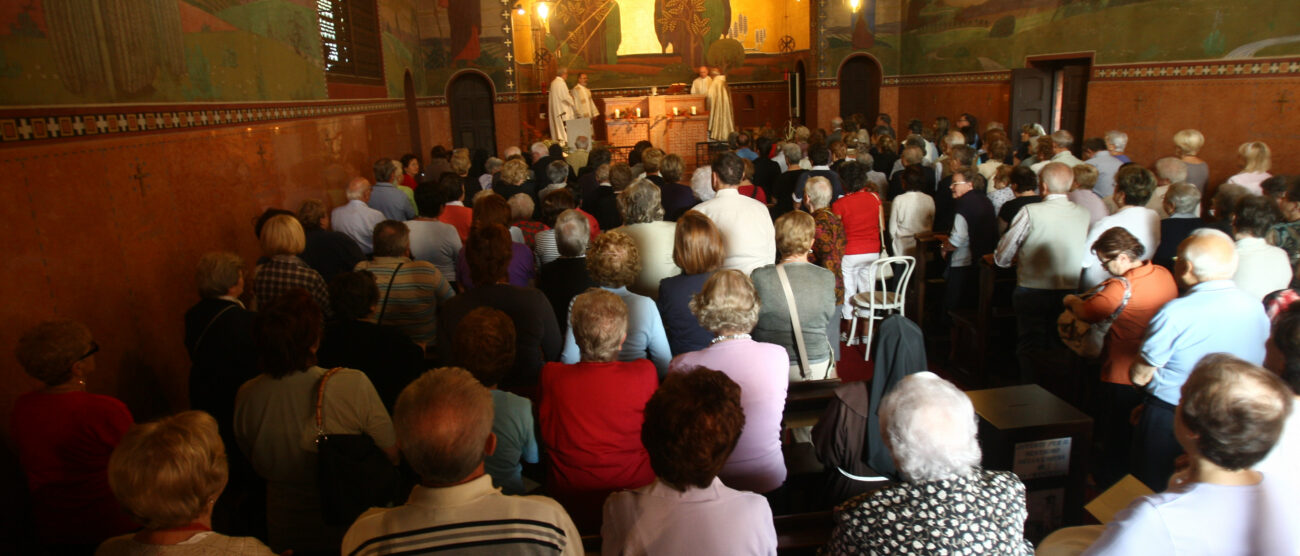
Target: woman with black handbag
column 293, row 421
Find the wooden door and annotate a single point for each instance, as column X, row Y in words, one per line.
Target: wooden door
column 472, row 122
column 412, row 114
column 860, row 88
column 1031, row 100
column 1074, row 93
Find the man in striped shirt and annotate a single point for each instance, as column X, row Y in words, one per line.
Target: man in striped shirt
column 443, row 422
column 409, row 291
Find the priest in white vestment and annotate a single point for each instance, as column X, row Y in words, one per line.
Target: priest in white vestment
column 559, row 106
column 721, row 119
column 701, row 84
column 583, row 105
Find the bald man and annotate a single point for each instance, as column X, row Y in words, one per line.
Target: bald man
column 443, row 422
column 701, row 84
column 1212, row 316
column 356, row 218
column 1046, row 244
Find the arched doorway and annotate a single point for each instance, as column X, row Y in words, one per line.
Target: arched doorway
column 469, row 95
column 412, row 114
column 860, row 79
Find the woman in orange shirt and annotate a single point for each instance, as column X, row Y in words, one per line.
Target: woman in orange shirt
column 1152, row 286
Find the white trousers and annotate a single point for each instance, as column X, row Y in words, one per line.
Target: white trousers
column 857, row 278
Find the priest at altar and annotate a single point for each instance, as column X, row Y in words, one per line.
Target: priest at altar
column 721, row 119
column 560, row 106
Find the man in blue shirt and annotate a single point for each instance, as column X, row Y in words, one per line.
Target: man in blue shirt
column 1212, row 316
column 742, row 147
column 386, row 198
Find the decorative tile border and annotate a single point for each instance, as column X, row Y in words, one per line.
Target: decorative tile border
column 26, row 125
column 1201, row 69
column 948, row 78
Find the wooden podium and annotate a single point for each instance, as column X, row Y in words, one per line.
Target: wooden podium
column 665, row 120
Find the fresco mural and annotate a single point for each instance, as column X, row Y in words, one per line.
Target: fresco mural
column 462, row 34
column 52, row 51
column 870, row 26
column 640, row 43
column 944, row 36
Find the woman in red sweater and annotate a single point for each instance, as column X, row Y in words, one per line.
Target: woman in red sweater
column 1152, row 286
column 64, row 436
column 591, row 412
column 859, row 210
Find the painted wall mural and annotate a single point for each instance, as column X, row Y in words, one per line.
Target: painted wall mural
column 872, row 27
column 75, row 52
column 945, row 36
column 455, row 35
column 640, row 43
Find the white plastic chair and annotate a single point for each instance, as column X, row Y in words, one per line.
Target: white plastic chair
column 875, row 304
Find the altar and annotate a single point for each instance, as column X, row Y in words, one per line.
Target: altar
column 674, row 123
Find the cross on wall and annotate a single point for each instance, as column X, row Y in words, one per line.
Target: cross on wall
column 139, row 176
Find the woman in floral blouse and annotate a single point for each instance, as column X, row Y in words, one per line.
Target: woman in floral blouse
column 947, row 503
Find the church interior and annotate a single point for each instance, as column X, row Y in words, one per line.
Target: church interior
column 137, row 136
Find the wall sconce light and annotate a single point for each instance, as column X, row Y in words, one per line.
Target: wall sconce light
column 543, row 10
column 855, row 4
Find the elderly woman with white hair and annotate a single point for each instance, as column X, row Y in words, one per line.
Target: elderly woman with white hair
column 1183, row 203
column 947, row 503
column 728, row 306
column 643, row 221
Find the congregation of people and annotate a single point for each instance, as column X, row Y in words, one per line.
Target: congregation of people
column 552, row 343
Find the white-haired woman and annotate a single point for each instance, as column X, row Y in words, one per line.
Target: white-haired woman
column 643, row 221
column 728, row 306
column 947, row 503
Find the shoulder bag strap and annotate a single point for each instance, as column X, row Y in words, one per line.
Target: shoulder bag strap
column 387, row 291
column 199, row 342
column 794, row 320
column 1128, row 293
column 880, row 224
column 320, row 400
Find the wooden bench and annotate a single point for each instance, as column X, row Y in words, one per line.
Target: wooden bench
column 975, row 326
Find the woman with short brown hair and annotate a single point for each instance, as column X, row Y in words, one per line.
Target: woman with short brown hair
column 698, row 251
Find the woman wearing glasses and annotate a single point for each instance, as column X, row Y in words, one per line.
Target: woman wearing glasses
column 64, row 436
column 1120, row 253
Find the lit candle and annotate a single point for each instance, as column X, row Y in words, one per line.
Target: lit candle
column 638, row 112
column 692, row 110
column 674, row 110
column 615, row 113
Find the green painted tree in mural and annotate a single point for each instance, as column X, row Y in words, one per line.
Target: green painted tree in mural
column 726, row 54
column 584, row 28
column 690, row 27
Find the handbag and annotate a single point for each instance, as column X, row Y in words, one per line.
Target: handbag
column 798, row 330
column 1084, row 338
column 353, row 474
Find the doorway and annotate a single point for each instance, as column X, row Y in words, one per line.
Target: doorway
column 860, row 79
column 798, row 89
column 412, row 114
column 1053, row 92
column 469, row 96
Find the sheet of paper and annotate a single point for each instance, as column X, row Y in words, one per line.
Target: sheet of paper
column 1116, row 498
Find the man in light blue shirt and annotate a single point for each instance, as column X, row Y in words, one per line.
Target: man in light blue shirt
column 742, row 147
column 386, row 197
column 356, row 219
column 1094, row 150
column 1213, row 316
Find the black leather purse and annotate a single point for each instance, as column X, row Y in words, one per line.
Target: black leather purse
column 353, row 474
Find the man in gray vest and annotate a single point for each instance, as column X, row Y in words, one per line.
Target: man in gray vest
column 1046, row 244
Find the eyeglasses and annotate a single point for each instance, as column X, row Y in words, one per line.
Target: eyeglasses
column 94, row 348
